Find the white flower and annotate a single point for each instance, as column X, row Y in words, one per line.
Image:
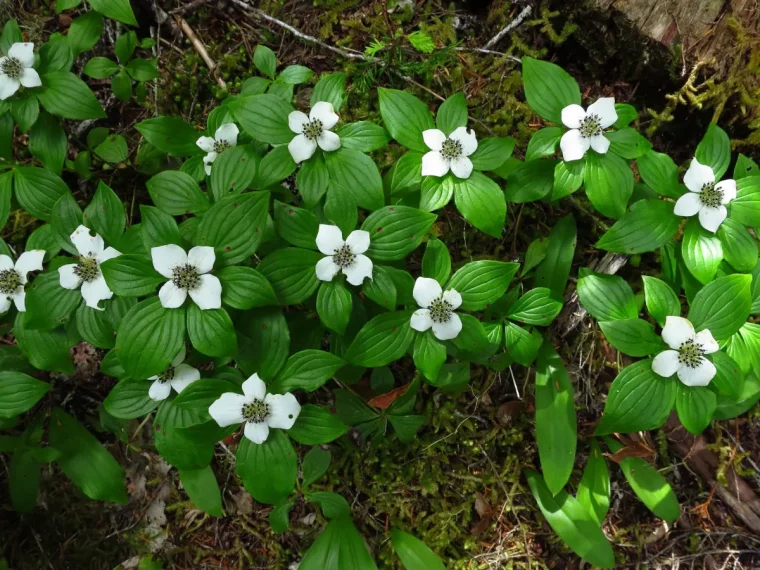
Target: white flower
column 437, row 310
column 16, row 70
column 13, row 278
column 345, row 256
column 225, row 137
column 312, row 131
column 189, row 275
column 705, row 197
column 257, row 409
column 687, row 357
column 178, row 376
column 587, row 128
column 86, row 271
column 449, row 153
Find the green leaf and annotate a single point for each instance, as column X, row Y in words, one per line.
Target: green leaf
column 548, row 88
column 744, row 167
column 452, row 114
column 264, row 117
column 118, row 10
column 306, row 370
column 554, row 270
column 297, row 226
column 739, row 247
column 176, row 193
column 312, row 180
column 435, row 192
column 203, row 490
column 481, row 283
column 340, row 546
column 606, row 297
column 521, row 345
column 531, row 181
column 714, row 150
column 113, row 150
column 275, row 167
column 492, row 153
column 211, row 331
column 268, row 470
column 100, row 68
column 536, row 307
column 296, row 74
column 436, row 262
column 45, row 350
column 729, row 378
column 11, row 34
column 722, row 306
column 266, row 343
column 47, row 142
column 149, row 338
column 661, row 300
column 556, row 427
column 572, row 522
column 105, row 214
column 236, row 169
column 333, row 505
column 37, row 190
column 701, row 251
column 660, row 173
column 19, row 392
column 171, row 135
column 234, row 226
column 316, row 426
column 626, row 115
column 414, row 554
column 543, row 143
column 649, row 225
column 745, row 209
column 245, row 288
column 25, row 110
column 158, row 228
column 405, row 117
column 292, row 274
column 121, row 85
column 395, row 231
column 594, row 488
column 357, row 173
column 83, row 460
column 315, row 464
column 23, row 483
column 198, row 397
column 634, row 337
column 363, row 136
column 382, row 340
column 429, row 355
column 628, row 143
column 84, row 32
column 381, row 288
column 695, row 406
column 638, row 400
column 131, row 275
column 330, row 88
column 608, row 183
column 265, row 60
column 48, row 304
column 65, row 95
column 340, row 208
column 44, row 238
column 129, row 399
column 481, row 201
column 334, row 305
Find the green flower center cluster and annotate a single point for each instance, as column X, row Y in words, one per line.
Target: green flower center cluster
column 440, row 311
column 591, row 126
column 221, row 146
column 87, row 268
column 690, row 354
column 186, row 277
column 167, row 375
column 343, row 257
column 12, row 67
column 256, row 411
column 710, row 195
column 312, row 129
column 10, row 281
column 451, row 149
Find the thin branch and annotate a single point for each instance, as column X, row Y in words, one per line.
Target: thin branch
column 524, row 13
column 201, row 49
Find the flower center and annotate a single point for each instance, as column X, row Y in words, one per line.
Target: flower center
column 691, row 354
column 10, row 281
column 167, row 375
column 343, row 257
column 312, row 129
column 186, row 277
column 12, row 67
column 440, row 311
column 710, row 195
column 87, row 268
column 221, row 146
column 256, row 411
column 591, row 126
column 451, row 149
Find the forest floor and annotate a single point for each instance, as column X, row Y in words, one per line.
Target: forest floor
column 458, row 486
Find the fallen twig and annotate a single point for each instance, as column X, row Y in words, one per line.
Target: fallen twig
column 524, row 13
column 201, row 49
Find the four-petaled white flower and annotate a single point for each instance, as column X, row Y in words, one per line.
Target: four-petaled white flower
column 178, row 376
column 449, row 153
column 313, row 130
column 257, row 409
column 687, row 357
column 437, row 310
column 705, row 197
column 16, row 70
column 188, row 274
column 225, row 137
column 86, row 271
column 587, row 128
column 13, row 278
column 345, row 256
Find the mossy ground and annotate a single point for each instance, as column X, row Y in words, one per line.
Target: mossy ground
column 458, row 486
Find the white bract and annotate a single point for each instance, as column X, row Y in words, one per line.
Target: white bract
column 16, row 69
column 312, row 131
column 178, row 376
column 188, row 274
column 13, row 278
column 437, row 310
column 587, row 128
column 705, row 197
column 225, row 137
column 449, row 153
column 687, row 357
column 345, row 256
column 86, row 271
column 257, row 409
